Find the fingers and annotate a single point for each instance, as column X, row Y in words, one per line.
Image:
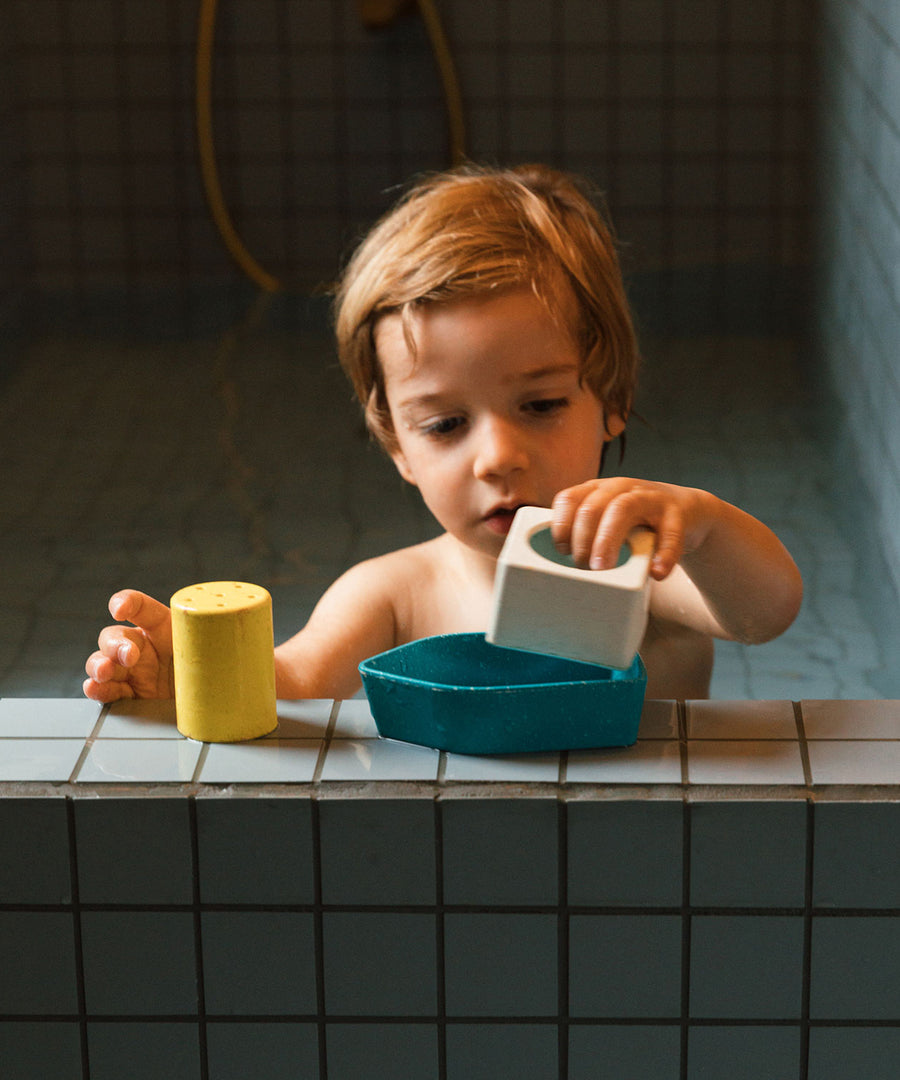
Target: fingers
column 107, row 691
column 132, row 606
column 591, row 521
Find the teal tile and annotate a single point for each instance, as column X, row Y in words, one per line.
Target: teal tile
column 627, row 1052
column 853, row 974
column 488, row 1051
column 143, row 1051
column 746, row 967
column 355, row 720
column 500, row 851
column 378, row 851
column 379, row 759
column 134, row 851
column 856, row 862
column 34, row 852
column 37, row 959
column 836, row 1053
column 501, row 964
column 503, row 768
column 139, row 963
column 149, row 761
column 140, row 719
column 265, row 761
column 32, row 1050
column 39, row 759
column 235, row 1050
column 745, row 761
column 48, row 718
column 380, row 964
column 756, row 720
column 382, row 1052
column 255, row 851
column 854, row 761
column 625, row 853
column 625, row 966
column 653, row 761
column 748, row 854
column 833, row 719
column 303, row 719
column 751, row 1052
column 259, row 963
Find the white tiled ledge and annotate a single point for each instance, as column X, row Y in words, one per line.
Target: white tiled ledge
column 728, row 745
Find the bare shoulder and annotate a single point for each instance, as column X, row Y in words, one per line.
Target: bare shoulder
column 400, row 569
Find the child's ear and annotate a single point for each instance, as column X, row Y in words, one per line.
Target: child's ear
column 402, row 465
column 614, row 425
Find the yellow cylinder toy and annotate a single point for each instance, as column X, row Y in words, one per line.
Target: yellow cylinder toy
column 224, row 659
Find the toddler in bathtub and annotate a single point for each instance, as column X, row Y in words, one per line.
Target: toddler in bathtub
column 484, row 325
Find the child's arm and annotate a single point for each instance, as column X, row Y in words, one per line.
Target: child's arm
column 352, row 621
column 719, row 570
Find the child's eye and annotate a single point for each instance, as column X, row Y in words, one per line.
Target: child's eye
column 546, row 406
column 447, row 425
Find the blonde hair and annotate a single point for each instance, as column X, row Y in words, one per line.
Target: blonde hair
column 474, row 229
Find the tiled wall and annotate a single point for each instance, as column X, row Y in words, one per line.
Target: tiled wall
column 466, row 919
column 858, row 309
column 693, row 117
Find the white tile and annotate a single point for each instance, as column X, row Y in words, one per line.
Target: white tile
column 538, row 768
column 140, row 761
column 656, row 761
column 659, row 720
column 140, row 719
column 287, row 761
column 744, row 761
column 854, row 762
column 740, row 720
column 48, row 718
column 303, row 719
column 851, row 719
column 379, row 759
column 355, row 720
column 38, row 759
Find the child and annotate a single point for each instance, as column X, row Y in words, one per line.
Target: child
column 484, row 325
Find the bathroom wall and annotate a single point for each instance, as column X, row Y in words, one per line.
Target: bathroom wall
column 692, row 116
column 858, row 295
column 13, row 270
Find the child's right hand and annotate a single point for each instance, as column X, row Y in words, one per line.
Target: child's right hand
column 133, row 661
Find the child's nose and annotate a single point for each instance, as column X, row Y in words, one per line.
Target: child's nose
column 500, row 451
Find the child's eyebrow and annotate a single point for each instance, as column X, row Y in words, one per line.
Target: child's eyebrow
column 436, row 397
column 545, row 371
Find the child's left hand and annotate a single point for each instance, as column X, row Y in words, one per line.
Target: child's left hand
column 592, row 520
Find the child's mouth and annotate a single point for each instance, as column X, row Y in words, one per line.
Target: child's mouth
column 500, row 520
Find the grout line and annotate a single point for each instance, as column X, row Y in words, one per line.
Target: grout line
column 681, row 713
column 78, row 943
column 685, row 936
column 201, row 761
column 563, row 937
column 326, row 741
column 440, row 943
column 198, row 938
column 319, row 935
column 807, row 939
column 803, row 743
column 88, row 743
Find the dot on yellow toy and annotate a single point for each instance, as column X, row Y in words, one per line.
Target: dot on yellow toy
column 224, row 654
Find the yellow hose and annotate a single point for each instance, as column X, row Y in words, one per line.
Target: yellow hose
column 447, row 69
column 211, row 185
column 212, row 188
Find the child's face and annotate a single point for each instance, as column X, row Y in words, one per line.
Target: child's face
column 489, row 413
